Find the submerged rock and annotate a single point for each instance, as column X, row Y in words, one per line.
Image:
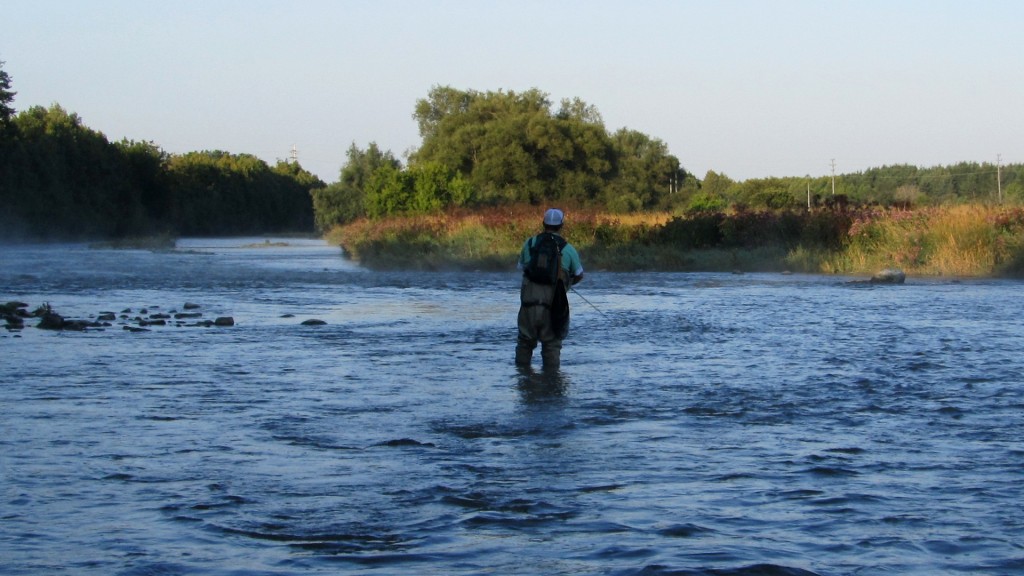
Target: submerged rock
column 313, row 322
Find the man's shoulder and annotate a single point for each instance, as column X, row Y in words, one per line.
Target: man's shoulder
column 558, row 238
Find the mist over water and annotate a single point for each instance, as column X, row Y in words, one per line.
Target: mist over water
column 700, row 424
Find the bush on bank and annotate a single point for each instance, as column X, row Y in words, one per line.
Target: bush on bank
column 970, row 240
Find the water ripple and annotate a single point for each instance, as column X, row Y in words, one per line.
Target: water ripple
column 700, row 424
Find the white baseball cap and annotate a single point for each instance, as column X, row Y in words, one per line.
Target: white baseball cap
column 553, row 217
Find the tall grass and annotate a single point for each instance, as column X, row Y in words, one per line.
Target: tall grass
column 948, row 241
column 966, row 240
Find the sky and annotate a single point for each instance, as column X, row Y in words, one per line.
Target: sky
column 746, row 88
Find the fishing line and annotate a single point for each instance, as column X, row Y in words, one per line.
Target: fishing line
column 588, row 302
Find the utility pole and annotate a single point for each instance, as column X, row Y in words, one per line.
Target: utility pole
column 833, row 177
column 295, row 155
column 999, row 176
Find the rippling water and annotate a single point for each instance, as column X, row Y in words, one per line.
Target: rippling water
column 701, row 423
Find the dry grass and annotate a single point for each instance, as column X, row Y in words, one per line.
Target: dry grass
column 946, row 241
column 967, row 240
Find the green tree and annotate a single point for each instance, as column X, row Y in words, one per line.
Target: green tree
column 436, row 187
column 217, row 193
column 345, row 200
column 767, row 193
column 67, row 179
column 715, row 184
column 389, row 190
column 510, row 147
column 645, row 172
column 6, row 97
column 147, row 208
column 582, row 174
column 703, row 202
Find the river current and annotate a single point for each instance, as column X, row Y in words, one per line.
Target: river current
column 718, row 424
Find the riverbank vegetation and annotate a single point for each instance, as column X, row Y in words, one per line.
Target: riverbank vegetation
column 962, row 240
column 487, row 166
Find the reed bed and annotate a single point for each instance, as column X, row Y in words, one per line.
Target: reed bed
column 963, row 240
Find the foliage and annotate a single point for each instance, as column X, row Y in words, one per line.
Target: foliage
column 705, row 202
column 479, row 239
column 512, row 148
column 215, row 193
column 6, row 98
column 898, row 185
column 60, row 179
column 644, row 171
column 959, row 240
column 962, row 240
column 345, row 200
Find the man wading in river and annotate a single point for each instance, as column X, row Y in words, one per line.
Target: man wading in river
column 550, row 266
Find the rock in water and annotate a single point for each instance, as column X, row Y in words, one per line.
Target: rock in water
column 889, row 276
column 51, row 321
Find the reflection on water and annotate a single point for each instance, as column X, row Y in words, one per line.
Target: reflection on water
column 542, row 384
column 699, row 424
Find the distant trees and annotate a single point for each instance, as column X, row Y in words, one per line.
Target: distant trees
column 897, row 185
column 216, row 193
column 60, row 179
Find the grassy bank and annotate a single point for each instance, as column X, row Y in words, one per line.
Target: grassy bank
column 946, row 241
column 965, row 240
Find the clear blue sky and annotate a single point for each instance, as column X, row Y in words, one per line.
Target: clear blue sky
column 746, row 88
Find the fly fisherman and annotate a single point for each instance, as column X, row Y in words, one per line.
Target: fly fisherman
column 550, row 266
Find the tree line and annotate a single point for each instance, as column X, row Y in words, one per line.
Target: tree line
column 60, row 179
column 484, row 149
column 898, row 185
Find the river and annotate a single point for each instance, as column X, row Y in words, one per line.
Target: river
column 700, row 423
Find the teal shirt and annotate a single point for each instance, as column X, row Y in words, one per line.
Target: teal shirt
column 570, row 258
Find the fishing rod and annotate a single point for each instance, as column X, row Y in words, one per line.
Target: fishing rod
column 588, row 302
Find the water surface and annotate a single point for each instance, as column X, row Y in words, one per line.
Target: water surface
column 700, row 424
